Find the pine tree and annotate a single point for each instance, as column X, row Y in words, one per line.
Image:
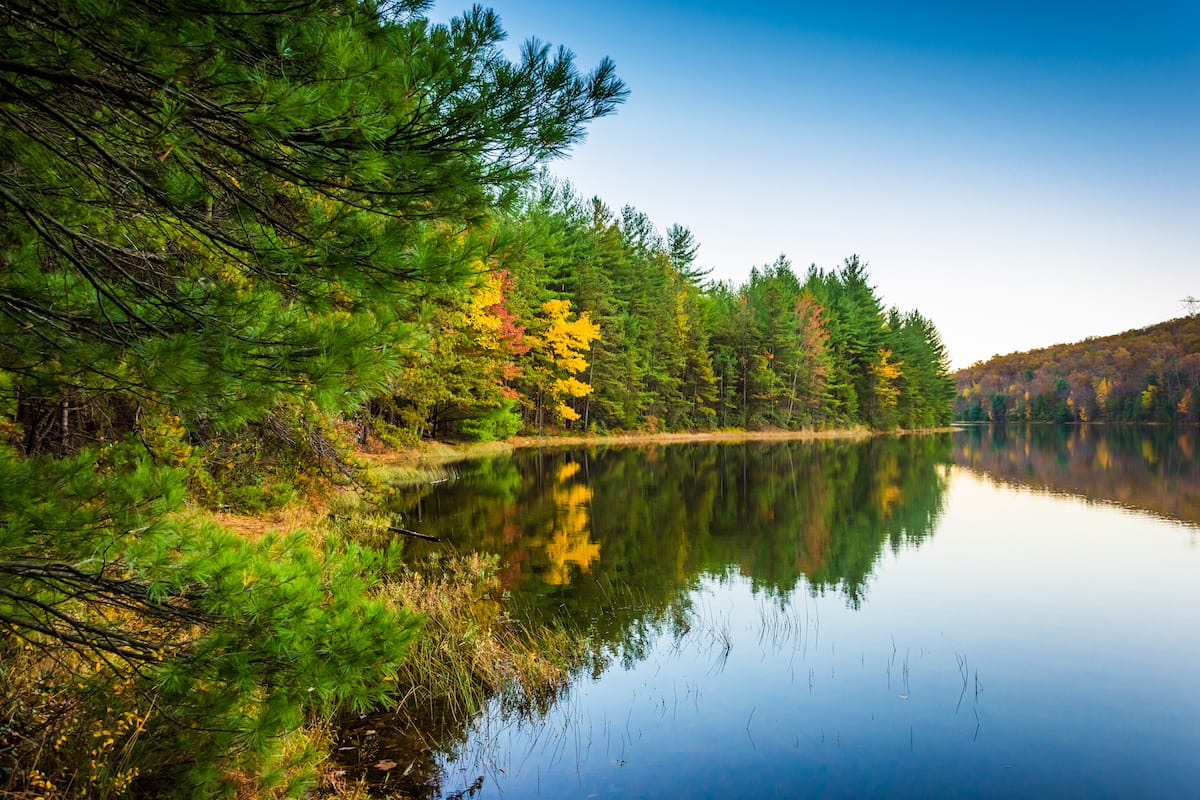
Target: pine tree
column 215, row 219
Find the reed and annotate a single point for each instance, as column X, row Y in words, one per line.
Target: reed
column 472, row 656
column 472, row 650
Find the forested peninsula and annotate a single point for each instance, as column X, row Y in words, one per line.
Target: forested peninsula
column 1144, row 375
column 243, row 241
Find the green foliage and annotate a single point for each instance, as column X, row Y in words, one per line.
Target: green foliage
column 241, row 641
column 673, row 354
column 212, row 211
column 495, row 424
column 926, row 388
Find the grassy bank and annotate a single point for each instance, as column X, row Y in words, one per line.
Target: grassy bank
column 77, row 723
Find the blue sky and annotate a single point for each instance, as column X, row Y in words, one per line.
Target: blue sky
column 1022, row 173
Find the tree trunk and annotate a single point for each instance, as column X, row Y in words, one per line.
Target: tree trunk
column 792, row 396
column 66, row 411
column 587, row 401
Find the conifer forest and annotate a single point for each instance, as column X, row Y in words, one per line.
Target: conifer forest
column 241, row 242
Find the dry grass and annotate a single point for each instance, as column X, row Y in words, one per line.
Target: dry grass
column 470, row 653
column 428, row 461
column 308, row 514
column 68, row 727
column 634, row 439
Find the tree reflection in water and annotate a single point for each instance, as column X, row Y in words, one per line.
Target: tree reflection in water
column 1147, row 468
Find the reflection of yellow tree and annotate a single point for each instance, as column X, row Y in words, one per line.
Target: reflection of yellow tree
column 570, row 541
column 887, row 484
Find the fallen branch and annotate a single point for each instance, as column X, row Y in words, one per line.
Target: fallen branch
column 414, row 534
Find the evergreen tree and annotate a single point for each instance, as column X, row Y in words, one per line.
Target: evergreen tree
column 681, row 249
column 926, row 388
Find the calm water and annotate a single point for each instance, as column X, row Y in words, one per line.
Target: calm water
column 993, row 613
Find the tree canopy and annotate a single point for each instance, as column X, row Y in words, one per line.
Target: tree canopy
column 675, row 351
column 208, row 206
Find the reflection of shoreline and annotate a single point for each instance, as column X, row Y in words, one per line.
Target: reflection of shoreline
column 568, row 522
column 422, row 464
column 1046, row 490
column 1146, row 470
column 686, row 437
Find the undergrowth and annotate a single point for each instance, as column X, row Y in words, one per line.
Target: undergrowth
column 71, row 727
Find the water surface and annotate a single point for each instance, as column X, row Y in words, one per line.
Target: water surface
column 994, row 613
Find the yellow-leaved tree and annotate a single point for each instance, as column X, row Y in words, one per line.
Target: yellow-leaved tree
column 558, row 348
column 885, row 372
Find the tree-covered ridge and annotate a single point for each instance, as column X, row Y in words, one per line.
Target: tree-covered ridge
column 1145, row 375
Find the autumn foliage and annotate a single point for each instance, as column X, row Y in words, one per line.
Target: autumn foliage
column 1146, row 375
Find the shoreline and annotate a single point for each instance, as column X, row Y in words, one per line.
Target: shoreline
column 435, row 453
column 684, row 437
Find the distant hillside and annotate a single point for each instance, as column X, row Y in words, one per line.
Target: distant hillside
column 1146, row 375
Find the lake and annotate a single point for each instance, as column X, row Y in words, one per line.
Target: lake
column 997, row 612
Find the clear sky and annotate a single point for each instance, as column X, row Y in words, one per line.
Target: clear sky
column 1023, row 173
